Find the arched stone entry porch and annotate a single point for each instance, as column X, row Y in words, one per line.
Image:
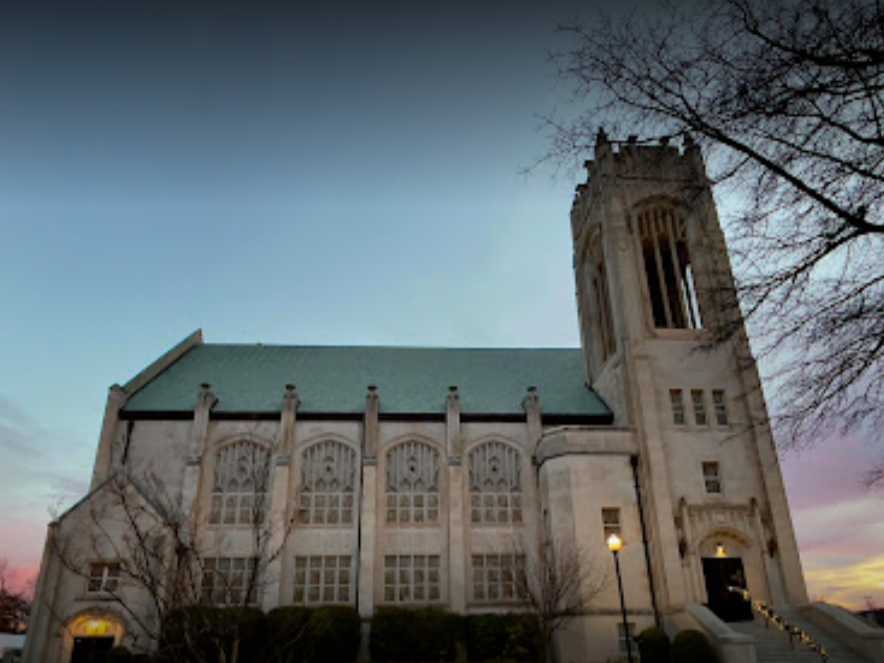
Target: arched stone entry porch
column 90, row 634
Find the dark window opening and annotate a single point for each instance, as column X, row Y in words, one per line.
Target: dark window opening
column 668, row 270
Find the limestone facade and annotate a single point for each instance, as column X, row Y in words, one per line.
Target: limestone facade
column 430, row 510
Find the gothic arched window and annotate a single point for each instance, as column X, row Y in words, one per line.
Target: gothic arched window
column 670, row 277
column 328, row 484
column 495, row 484
column 239, row 491
column 413, row 484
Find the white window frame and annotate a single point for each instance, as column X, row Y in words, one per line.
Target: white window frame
column 232, row 580
column 494, row 577
column 319, row 576
column 107, row 577
column 404, row 574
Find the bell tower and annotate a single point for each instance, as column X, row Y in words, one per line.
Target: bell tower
column 652, row 279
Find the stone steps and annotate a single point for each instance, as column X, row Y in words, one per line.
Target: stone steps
column 772, row 645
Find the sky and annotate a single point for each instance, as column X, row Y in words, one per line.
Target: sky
column 337, row 173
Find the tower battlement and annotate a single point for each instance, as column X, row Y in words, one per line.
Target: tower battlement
column 636, row 168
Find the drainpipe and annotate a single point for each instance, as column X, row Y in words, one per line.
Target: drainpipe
column 633, row 460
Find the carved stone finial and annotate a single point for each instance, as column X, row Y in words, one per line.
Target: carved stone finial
column 601, row 138
column 206, row 397
column 290, row 398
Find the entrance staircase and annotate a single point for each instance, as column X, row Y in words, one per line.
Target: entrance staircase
column 773, row 645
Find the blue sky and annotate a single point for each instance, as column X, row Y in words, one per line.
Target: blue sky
column 267, row 174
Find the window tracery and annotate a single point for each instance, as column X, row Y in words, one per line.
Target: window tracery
column 239, row 491
column 413, row 483
column 495, row 484
column 328, row 484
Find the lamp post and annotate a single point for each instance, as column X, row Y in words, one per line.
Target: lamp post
column 615, row 545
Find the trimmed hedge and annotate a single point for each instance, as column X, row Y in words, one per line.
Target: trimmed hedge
column 422, row 634
column 287, row 635
column 496, row 637
column 692, row 646
column 333, row 635
column 218, row 627
column 653, row 645
column 284, row 635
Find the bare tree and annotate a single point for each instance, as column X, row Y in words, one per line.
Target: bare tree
column 557, row 581
column 14, row 606
column 787, row 101
column 164, row 567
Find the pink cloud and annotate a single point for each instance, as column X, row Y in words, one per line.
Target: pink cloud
column 838, row 520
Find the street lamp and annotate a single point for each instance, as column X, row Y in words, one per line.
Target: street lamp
column 615, row 545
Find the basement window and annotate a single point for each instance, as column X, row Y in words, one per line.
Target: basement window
column 668, row 269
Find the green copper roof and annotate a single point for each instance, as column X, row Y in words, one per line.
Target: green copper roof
column 329, row 379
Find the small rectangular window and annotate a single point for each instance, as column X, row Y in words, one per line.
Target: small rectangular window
column 677, row 399
column 699, row 401
column 103, row 577
column 711, row 477
column 624, row 632
column 720, row 404
column 611, row 521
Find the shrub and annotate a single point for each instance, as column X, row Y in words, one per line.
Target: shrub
column 653, row 645
column 209, row 628
column 692, row 647
column 514, row 637
column 287, row 636
column 424, row 634
column 334, row 633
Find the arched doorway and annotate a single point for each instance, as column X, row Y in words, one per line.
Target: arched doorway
column 724, row 565
column 91, row 635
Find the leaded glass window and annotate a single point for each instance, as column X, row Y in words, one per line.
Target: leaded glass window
column 413, row 484
column 239, row 492
column 495, row 484
column 328, row 484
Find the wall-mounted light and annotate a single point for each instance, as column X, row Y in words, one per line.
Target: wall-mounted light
column 720, row 552
column 96, row 627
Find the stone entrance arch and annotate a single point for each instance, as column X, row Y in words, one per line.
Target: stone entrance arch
column 92, row 624
column 732, row 554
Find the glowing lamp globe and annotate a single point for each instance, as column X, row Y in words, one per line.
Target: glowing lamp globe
column 615, row 543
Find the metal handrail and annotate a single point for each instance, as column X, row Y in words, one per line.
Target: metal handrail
column 771, row 618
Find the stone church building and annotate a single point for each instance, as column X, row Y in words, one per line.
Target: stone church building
column 415, row 476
